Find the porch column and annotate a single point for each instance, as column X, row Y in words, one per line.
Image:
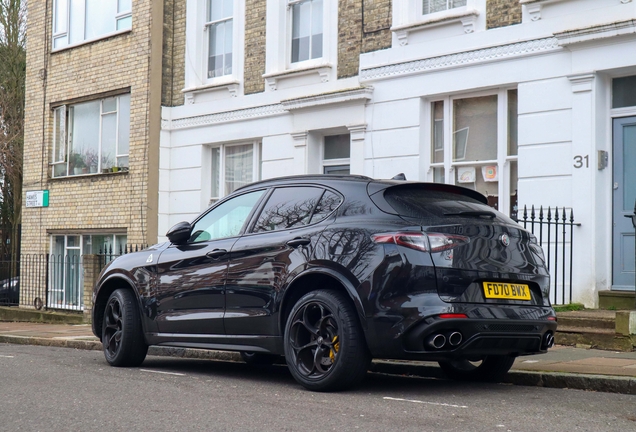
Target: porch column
column 583, row 168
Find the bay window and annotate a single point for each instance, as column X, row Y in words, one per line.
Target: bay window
column 233, row 166
column 91, row 137
column 474, row 144
column 76, row 21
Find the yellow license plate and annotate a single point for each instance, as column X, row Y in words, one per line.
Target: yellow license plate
column 498, row 290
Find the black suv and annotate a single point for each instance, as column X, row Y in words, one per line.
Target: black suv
column 330, row 272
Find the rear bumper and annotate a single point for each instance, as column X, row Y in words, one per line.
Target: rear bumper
column 476, row 337
column 487, row 330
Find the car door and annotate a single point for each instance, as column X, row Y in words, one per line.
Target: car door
column 191, row 277
column 280, row 242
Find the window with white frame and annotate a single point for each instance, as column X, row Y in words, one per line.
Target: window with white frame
column 307, row 29
column 66, row 282
column 219, row 27
column 336, row 153
column 76, row 21
column 474, row 144
column 233, row 166
column 91, row 137
column 432, row 6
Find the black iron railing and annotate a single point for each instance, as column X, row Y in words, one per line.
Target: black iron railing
column 554, row 229
column 49, row 281
column 108, row 253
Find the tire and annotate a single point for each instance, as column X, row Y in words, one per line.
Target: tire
column 258, row 358
column 122, row 334
column 491, row 369
column 325, row 348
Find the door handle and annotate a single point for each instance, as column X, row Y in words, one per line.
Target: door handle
column 216, row 253
column 298, row 241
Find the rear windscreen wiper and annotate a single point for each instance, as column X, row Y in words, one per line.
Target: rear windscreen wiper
column 473, row 213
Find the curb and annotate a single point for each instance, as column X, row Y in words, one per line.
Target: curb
column 599, row 383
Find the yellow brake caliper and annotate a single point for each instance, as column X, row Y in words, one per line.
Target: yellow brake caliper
column 336, row 347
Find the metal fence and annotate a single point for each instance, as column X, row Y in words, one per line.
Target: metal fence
column 554, row 229
column 47, row 281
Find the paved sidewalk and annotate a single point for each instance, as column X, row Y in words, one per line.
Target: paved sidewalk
column 561, row 367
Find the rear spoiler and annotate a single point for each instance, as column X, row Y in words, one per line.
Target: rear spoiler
column 376, row 187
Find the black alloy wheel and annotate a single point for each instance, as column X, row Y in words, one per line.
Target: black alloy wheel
column 324, row 345
column 488, row 369
column 122, row 334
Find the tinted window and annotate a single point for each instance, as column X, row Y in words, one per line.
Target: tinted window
column 328, row 203
column 288, row 208
column 225, row 220
column 423, row 203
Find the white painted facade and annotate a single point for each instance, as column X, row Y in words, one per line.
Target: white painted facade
column 560, row 60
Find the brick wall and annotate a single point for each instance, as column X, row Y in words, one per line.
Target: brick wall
column 127, row 201
column 363, row 26
column 501, row 13
column 254, row 46
column 173, row 58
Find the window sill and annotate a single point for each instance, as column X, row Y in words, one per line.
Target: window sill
column 90, row 41
column 467, row 16
column 229, row 83
column 533, row 7
column 322, row 69
column 89, row 175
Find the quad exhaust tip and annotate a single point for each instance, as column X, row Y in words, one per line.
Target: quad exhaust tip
column 439, row 340
column 548, row 340
column 455, row 338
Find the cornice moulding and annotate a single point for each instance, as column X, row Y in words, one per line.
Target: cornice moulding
column 362, row 93
column 224, row 117
column 484, row 55
column 603, row 31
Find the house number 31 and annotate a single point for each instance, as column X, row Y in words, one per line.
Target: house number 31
column 581, row 161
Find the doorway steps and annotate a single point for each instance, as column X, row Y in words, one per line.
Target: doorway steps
column 594, row 328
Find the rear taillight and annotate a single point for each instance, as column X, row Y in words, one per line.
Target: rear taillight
column 425, row 242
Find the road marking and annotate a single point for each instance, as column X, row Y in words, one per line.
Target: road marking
column 530, row 361
column 4, row 356
column 424, row 402
column 162, row 372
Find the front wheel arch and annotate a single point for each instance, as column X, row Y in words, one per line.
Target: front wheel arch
column 105, row 290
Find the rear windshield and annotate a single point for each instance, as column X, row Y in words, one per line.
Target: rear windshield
column 422, row 203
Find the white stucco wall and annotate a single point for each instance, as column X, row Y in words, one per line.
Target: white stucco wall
column 561, row 60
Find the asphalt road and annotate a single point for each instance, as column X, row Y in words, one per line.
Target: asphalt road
column 61, row 389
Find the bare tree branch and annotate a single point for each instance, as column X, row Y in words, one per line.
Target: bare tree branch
column 12, row 92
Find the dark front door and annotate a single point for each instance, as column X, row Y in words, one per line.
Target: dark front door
column 624, row 197
column 191, row 290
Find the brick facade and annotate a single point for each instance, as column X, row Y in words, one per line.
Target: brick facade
column 363, row 26
column 254, row 46
column 501, row 13
column 173, row 58
column 125, row 62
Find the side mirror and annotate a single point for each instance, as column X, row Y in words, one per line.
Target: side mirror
column 179, row 233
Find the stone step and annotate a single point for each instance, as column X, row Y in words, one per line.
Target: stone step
column 587, row 322
column 595, row 338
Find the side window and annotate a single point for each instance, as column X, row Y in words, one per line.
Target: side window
column 226, row 220
column 288, row 207
column 328, row 203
